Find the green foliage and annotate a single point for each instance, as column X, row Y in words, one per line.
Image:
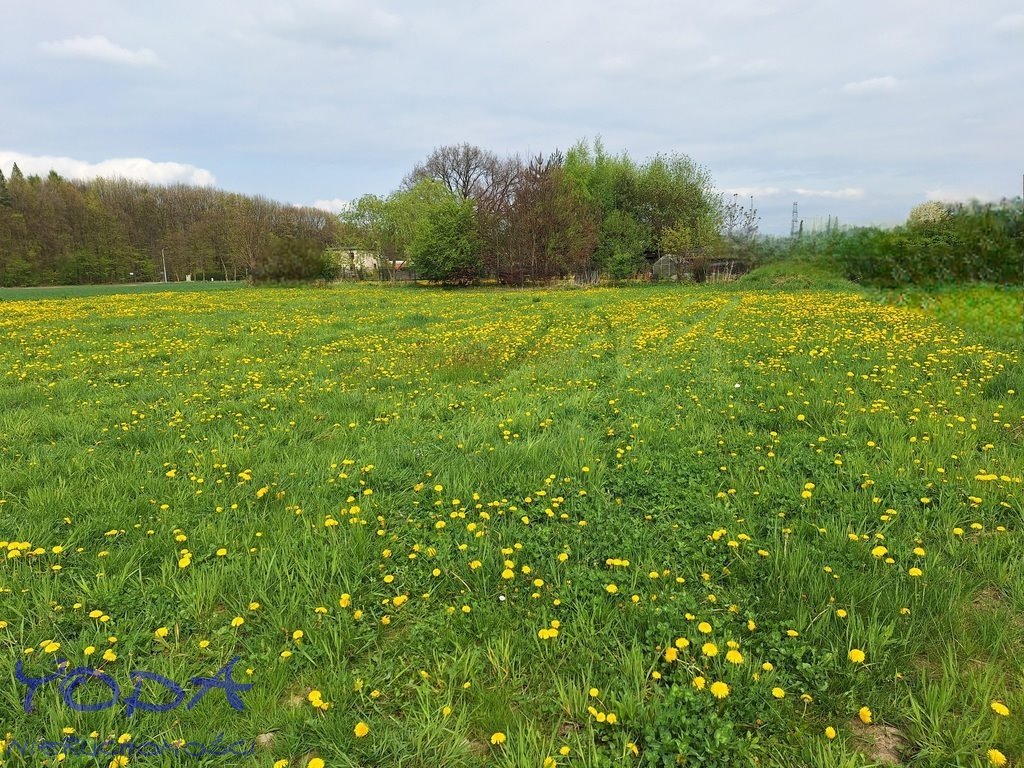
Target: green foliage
column 964, row 243
column 407, row 211
column 293, row 259
column 5, row 193
column 660, row 205
column 54, row 231
column 367, row 225
column 445, row 246
column 620, row 251
column 972, row 243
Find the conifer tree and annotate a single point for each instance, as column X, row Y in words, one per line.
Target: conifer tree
column 5, row 193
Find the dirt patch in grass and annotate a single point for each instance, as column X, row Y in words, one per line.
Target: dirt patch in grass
column 882, row 743
column 989, row 599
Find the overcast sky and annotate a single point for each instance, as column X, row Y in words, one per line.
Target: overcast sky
column 854, row 109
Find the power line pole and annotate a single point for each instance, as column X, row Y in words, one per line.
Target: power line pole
column 793, row 225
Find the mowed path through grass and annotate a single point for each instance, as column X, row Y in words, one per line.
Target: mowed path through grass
column 644, row 526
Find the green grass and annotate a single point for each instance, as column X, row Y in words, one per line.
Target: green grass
column 990, row 312
column 81, row 291
column 797, row 273
column 617, row 464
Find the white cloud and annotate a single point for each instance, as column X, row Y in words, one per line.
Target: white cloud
column 337, row 205
column 752, row 191
column 99, row 48
column 848, row 193
column 885, row 84
column 1013, row 22
column 136, row 168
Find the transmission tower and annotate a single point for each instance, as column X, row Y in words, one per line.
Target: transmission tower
column 793, row 227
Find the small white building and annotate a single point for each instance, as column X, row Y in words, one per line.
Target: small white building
column 353, row 262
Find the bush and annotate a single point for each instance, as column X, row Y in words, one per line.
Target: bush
column 445, row 248
column 294, row 259
column 971, row 243
column 939, row 244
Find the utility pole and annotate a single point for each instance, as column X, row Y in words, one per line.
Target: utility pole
column 164, row 260
column 793, row 225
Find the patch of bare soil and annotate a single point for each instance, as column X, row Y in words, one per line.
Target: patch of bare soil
column 882, row 743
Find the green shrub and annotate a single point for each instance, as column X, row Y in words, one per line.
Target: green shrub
column 294, row 259
column 445, row 248
column 971, row 242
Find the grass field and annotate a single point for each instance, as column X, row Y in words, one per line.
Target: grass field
column 995, row 313
column 641, row 526
column 82, row 291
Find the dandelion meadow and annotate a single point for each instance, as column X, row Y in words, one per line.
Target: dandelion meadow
column 612, row 527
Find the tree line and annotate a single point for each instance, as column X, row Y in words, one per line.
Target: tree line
column 462, row 214
column 465, row 212
column 54, row 231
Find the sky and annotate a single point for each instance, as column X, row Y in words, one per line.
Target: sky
column 854, row 110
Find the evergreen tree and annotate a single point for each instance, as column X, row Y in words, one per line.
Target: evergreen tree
column 5, row 193
column 16, row 174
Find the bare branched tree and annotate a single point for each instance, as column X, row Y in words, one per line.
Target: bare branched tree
column 463, row 169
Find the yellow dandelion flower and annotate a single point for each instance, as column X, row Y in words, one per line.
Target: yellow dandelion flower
column 1000, row 709
column 996, row 757
column 719, row 689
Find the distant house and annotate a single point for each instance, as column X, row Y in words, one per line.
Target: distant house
column 353, row 262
